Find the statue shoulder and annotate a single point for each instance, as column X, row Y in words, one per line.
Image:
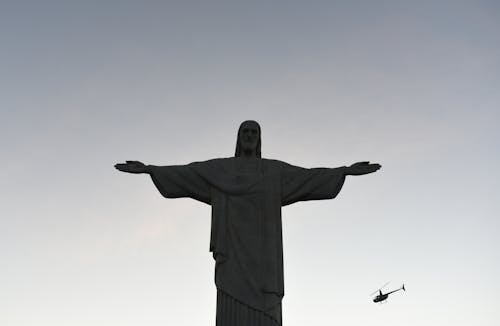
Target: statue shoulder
column 214, row 161
column 218, row 163
column 275, row 164
column 227, row 163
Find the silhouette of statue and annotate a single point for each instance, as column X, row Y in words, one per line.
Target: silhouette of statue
column 246, row 193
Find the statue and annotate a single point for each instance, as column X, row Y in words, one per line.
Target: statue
column 246, row 193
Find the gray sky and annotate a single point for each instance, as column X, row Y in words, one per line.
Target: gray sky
column 412, row 85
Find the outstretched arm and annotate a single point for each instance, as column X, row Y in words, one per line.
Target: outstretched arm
column 300, row 184
column 173, row 181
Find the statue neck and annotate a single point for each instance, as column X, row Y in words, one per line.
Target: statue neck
column 249, row 154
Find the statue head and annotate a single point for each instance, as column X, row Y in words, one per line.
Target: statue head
column 248, row 141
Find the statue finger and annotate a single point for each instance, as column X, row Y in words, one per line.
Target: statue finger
column 120, row 166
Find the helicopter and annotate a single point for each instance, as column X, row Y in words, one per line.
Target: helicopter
column 383, row 296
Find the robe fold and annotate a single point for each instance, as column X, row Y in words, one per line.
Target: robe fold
column 246, row 238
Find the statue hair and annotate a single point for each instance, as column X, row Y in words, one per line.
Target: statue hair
column 238, row 145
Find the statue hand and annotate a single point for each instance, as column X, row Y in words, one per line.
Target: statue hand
column 132, row 167
column 361, row 168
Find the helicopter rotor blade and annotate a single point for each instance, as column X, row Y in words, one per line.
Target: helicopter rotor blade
column 383, row 286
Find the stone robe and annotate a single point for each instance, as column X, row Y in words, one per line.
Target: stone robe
column 246, row 234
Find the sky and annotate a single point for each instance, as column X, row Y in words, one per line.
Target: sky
column 412, row 85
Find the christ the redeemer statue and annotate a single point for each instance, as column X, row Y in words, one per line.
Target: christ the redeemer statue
column 246, row 193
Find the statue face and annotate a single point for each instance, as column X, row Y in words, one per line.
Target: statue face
column 249, row 136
